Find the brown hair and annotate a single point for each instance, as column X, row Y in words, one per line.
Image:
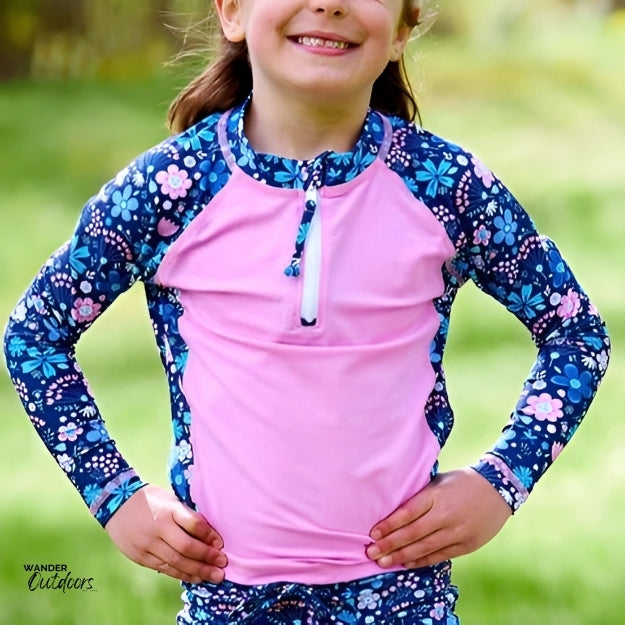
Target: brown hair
column 227, row 81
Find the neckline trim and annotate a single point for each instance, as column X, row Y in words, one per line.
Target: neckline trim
column 326, row 169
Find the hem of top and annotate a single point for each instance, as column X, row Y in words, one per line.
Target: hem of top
column 330, row 576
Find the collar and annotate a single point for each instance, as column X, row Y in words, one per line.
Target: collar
column 327, row 169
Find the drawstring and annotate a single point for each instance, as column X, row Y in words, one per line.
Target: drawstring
column 311, row 203
column 310, row 206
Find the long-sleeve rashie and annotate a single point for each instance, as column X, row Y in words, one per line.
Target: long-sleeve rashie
column 301, row 310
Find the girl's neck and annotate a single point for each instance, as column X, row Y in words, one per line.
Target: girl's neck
column 302, row 130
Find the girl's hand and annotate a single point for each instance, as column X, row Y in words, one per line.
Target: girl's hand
column 457, row 513
column 156, row 530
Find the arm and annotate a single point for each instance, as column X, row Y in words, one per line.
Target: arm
column 115, row 243
column 501, row 251
column 73, row 288
column 527, row 274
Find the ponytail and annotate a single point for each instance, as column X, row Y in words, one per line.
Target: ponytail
column 392, row 93
column 225, row 83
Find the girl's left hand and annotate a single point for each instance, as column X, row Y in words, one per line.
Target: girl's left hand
column 457, row 513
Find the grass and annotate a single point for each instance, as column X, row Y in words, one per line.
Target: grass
column 544, row 109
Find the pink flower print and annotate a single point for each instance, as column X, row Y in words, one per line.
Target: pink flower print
column 174, row 182
column 481, row 171
column 69, row 432
column 569, row 305
column 85, row 309
column 543, row 407
column 166, row 227
column 481, row 236
column 438, row 612
column 556, row 450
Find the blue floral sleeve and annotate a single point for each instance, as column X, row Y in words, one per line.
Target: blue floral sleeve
column 103, row 258
column 502, row 252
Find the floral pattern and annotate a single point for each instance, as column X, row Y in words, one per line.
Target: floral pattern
column 125, row 231
column 419, row 597
column 499, row 249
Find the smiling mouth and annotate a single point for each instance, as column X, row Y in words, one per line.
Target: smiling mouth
column 318, row 42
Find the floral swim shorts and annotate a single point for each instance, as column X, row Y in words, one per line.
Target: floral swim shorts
column 412, row 597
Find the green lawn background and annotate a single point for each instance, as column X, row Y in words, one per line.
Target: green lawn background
column 544, row 107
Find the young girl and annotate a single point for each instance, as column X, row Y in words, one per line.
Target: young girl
column 301, row 243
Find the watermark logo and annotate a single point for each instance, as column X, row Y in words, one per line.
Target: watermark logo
column 56, row 577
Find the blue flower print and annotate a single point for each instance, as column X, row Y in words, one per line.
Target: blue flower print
column 121, row 494
column 197, row 136
column 291, row 173
column 216, row 175
column 76, row 257
column 437, row 176
column 124, row 203
column 558, row 268
column 91, row 493
column 17, row 346
column 97, row 432
column 525, row 476
column 578, row 384
column 506, row 228
column 526, row 303
column 44, row 360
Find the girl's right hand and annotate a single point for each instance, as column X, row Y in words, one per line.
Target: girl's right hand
column 156, row 530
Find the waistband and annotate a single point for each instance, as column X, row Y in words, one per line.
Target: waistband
column 400, row 598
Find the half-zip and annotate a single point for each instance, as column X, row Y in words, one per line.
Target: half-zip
column 309, row 237
column 312, row 267
column 327, row 170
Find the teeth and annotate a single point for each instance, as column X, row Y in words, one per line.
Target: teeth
column 323, row 43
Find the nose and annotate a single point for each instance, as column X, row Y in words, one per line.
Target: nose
column 335, row 8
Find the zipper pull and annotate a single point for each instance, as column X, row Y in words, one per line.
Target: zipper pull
column 311, row 203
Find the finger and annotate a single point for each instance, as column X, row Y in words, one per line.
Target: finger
column 439, row 541
column 196, row 525
column 187, row 566
column 191, row 547
column 414, row 532
column 179, row 559
column 169, row 570
column 413, row 509
column 152, row 562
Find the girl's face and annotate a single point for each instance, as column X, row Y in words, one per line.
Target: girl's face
column 317, row 49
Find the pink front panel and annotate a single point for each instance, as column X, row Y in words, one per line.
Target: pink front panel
column 303, row 438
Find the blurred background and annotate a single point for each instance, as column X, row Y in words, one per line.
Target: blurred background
column 535, row 87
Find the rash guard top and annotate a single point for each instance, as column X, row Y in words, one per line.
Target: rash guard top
column 301, row 310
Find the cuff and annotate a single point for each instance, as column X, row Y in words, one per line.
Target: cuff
column 104, row 501
column 503, row 479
